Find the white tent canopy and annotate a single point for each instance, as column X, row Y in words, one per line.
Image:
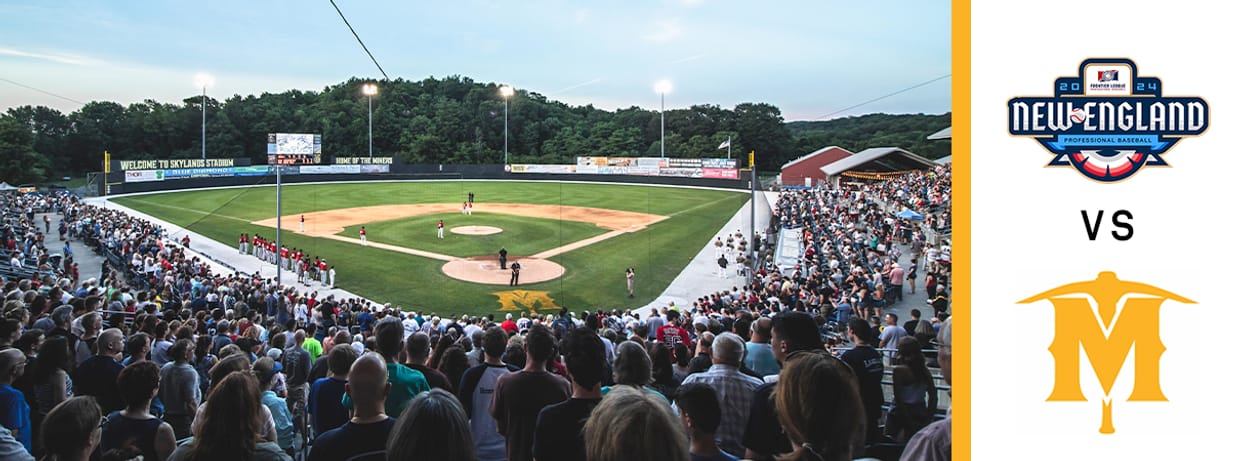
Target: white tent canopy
column 5, row 186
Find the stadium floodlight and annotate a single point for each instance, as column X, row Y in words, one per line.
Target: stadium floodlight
column 663, row 87
column 203, row 81
column 505, row 91
column 370, row 90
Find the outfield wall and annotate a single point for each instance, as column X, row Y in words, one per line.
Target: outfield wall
column 411, row 173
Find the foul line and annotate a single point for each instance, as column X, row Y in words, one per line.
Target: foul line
column 385, row 246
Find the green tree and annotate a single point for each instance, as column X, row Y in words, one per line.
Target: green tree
column 22, row 164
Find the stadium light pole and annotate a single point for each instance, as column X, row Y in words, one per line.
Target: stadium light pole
column 662, row 87
column 370, row 89
column 506, row 92
column 204, row 81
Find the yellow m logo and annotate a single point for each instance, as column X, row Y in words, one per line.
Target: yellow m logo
column 519, row 300
column 1134, row 328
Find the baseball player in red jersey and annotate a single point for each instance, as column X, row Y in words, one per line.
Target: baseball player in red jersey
column 363, row 235
column 440, row 228
column 303, row 223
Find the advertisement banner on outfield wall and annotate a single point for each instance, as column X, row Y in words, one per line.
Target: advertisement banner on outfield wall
column 587, row 169
column 178, row 173
column 651, row 162
column 331, row 169
column 719, row 163
column 144, row 175
column 720, row 173
column 684, row 163
column 681, row 172
column 371, row 169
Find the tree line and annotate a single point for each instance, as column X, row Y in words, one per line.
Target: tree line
column 450, row 120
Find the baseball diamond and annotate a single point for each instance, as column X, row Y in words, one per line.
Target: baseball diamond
column 570, row 238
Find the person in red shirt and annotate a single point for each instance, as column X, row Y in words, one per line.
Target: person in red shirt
column 363, row 235
column 241, row 245
column 509, row 325
column 672, row 334
column 440, row 228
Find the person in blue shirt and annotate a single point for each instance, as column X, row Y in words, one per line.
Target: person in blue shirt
column 265, row 370
column 14, row 411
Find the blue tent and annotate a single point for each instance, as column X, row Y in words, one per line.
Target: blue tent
column 910, row 214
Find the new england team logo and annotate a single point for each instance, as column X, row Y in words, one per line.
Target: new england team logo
column 1107, row 121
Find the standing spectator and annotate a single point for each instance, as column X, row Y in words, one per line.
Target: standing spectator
column 204, row 360
column 509, row 326
column 735, row 389
column 417, row 351
column 892, row 333
column 92, row 324
column 934, row 442
column 71, row 430
column 792, row 333
column 312, row 345
column 265, row 369
column 557, row 433
column 434, row 427
column 50, row 378
column 631, row 425
column 758, row 355
column 407, row 383
column 633, row 368
column 296, row 362
column 700, row 412
column 914, row 395
column 135, row 427
column 867, row 365
column 819, row 409
column 97, row 376
column 14, row 411
column 325, row 394
column 671, row 333
column 231, row 426
column 368, row 430
column 179, row 389
column 476, row 390
column 520, row 396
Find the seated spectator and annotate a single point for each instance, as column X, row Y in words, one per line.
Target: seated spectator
column 557, row 433
column 433, row 427
column 325, row 395
column 135, row 426
column 819, row 407
column 631, row 425
column 71, row 430
column 231, row 425
column 699, row 412
column 367, row 432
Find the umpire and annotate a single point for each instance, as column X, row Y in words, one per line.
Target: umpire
column 516, row 273
column 503, row 258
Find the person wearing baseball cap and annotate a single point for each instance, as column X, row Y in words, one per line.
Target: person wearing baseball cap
column 265, row 370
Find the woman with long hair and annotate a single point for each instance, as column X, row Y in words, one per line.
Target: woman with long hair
column 50, row 376
column 819, row 407
column 433, row 426
column 231, row 425
column 662, row 367
column 633, row 368
column 632, row 425
column 71, row 430
column 454, row 363
column 681, row 368
column 914, row 396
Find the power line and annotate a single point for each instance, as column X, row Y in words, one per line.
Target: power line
column 359, row 40
column 49, row 93
column 888, row 95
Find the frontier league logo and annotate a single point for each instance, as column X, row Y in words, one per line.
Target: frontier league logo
column 1107, row 121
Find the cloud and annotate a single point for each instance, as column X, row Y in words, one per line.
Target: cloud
column 689, row 58
column 54, row 57
column 665, row 31
column 573, row 87
column 581, row 17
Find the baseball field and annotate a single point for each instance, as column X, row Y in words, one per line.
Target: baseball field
column 573, row 240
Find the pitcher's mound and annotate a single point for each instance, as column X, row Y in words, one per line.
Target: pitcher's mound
column 478, row 230
column 485, row 269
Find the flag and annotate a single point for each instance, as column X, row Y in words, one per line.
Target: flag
column 726, row 144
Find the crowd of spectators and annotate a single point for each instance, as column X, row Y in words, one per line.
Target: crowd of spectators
column 162, row 358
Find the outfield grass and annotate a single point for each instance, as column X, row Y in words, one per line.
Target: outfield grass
column 594, row 277
column 522, row 235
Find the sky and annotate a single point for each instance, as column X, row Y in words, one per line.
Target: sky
column 812, row 59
